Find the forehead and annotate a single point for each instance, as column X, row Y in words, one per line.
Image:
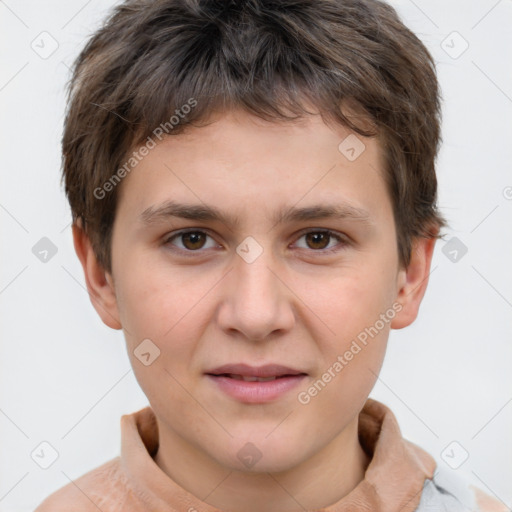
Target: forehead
column 246, row 165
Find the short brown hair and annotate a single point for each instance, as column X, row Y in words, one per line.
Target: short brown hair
column 269, row 57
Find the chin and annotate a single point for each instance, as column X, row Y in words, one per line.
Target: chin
column 257, row 454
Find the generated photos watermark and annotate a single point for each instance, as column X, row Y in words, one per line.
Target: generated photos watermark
column 357, row 345
column 159, row 133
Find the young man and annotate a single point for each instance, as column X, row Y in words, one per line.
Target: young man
column 254, row 199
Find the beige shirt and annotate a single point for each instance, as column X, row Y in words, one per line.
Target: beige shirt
column 401, row 477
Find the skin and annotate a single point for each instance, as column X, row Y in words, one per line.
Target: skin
column 295, row 305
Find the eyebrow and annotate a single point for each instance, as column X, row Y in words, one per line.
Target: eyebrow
column 203, row 212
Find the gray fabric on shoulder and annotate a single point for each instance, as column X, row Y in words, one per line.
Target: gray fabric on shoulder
column 447, row 492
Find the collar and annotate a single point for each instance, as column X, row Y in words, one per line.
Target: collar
column 393, row 480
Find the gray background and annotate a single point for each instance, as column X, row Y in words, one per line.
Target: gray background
column 65, row 378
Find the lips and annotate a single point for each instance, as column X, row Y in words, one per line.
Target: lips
column 255, row 385
column 248, row 378
column 254, row 373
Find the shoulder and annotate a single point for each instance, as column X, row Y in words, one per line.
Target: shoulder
column 102, row 488
column 486, row 503
column 449, row 492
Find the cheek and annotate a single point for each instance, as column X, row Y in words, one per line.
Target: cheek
column 349, row 303
column 351, row 364
column 158, row 307
column 353, row 349
column 358, row 308
column 155, row 302
column 171, row 309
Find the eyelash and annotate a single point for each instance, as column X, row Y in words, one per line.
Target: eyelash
column 342, row 239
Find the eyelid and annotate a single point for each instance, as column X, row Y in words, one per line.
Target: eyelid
column 184, row 231
column 343, row 239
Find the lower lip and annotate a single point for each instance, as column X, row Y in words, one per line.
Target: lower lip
column 256, row 392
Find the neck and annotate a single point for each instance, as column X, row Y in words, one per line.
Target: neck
column 317, row 482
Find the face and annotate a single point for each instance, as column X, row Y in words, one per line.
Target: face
column 261, row 264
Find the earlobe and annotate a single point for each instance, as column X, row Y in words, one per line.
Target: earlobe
column 99, row 282
column 413, row 281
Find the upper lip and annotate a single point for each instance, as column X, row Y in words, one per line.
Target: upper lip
column 245, row 370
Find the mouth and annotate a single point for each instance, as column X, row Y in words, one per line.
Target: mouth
column 249, row 378
column 251, row 384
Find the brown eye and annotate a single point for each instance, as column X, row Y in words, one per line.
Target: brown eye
column 318, row 240
column 191, row 241
column 322, row 241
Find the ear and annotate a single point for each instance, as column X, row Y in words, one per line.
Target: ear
column 100, row 284
column 413, row 281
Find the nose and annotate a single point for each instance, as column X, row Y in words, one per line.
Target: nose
column 256, row 302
